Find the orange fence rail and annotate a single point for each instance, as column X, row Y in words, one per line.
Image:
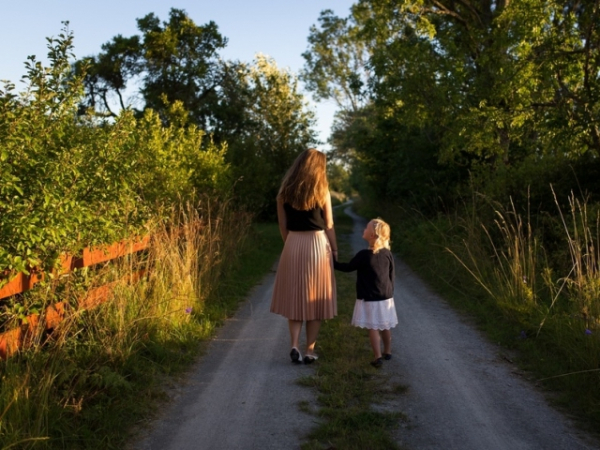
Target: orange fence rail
column 22, row 282
column 13, row 340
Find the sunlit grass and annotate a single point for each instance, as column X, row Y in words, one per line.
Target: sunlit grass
column 101, row 371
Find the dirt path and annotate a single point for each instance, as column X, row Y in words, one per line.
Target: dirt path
column 462, row 395
column 242, row 394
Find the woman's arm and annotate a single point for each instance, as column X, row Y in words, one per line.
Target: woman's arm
column 282, row 219
column 329, row 227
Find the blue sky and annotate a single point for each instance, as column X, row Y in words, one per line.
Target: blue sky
column 275, row 28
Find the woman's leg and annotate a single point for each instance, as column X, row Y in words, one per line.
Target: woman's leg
column 386, row 336
column 295, row 329
column 375, row 343
column 312, row 331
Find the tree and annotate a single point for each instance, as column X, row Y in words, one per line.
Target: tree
column 180, row 62
column 173, row 61
column 496, row 77
column 336, row 65
column 277, row 126
column 337, row 68
column 255, row 109
column 107, row 74
column 489, row 85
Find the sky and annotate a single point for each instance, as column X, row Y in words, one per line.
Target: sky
column 277, row 28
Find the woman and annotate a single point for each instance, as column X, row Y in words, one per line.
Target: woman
column 305, row 288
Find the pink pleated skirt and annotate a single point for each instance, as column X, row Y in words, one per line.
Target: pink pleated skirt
column 305, row 283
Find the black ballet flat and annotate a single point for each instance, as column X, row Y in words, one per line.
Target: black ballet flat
column 377, row 363
column 295, row 355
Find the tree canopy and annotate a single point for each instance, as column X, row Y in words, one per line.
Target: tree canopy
column 254, row 108
column 475, row 87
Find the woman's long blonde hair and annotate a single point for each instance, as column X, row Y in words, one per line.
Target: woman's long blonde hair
column 305, row 186
column 383, row 233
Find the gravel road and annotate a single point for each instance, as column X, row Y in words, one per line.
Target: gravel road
column 462, row 394
column 242, row 394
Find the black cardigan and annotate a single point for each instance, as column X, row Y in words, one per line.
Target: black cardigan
column 375, row 274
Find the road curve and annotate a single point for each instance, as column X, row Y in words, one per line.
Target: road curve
column 461, row 393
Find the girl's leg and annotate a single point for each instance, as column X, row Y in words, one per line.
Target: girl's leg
column 386, row 336
column 295, row 329
column 312, row 331
column 375, row 343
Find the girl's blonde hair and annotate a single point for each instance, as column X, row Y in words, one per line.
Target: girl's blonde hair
column 383, row 232
column 305, row 186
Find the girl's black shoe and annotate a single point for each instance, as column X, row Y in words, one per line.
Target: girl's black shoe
column 377, row 363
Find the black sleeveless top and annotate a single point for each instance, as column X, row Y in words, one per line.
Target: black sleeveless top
column 310, row 220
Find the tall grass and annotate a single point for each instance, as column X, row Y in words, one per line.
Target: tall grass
column 512, row 261
column 531, row 287
column 502, row 256
column 583, row 240
column 84, row 384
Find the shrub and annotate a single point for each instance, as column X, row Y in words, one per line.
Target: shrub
column 69, row 180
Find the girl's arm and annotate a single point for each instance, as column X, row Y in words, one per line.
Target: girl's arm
column 282, row 219
column 329, row 228
column 350, row 266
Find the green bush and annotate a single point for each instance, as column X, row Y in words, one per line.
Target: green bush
column 69, row 179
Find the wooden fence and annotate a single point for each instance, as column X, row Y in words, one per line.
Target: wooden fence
column 13, row 340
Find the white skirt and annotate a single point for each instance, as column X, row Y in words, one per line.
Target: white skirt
column 375, row 315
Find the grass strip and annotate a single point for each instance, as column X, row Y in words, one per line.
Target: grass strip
column 257, row 256
column 347, row 386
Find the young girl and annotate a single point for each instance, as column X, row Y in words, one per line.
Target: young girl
column 374, row 308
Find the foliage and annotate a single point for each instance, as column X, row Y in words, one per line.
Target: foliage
column 337, row 63
column 70, row 180
column 277, row 126
column 494, row 78
column 490, row 86
column 338, row 177
column 255, row 109
column 176, row 61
